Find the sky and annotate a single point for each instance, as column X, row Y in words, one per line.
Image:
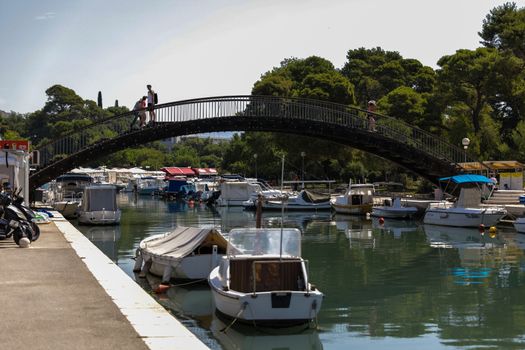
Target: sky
column 200, row 48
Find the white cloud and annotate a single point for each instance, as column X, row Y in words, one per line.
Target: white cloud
column 46, row 16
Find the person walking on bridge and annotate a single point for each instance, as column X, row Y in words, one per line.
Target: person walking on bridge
column 151, row 104
column 371, row 120
column 139, row 112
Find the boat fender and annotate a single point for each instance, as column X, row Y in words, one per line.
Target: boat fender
column 166, row 276
column 162, row 288
column 381, row 220
column 481, row 229
column 493, row 231
column 138, row 261
column 145, row 268
column 368, row 216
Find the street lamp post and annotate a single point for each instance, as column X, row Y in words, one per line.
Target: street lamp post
column 465, row 142
column 303, row 154
column 255, row 158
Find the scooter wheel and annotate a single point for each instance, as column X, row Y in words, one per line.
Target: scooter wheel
column 36, row 231
column 17, row 236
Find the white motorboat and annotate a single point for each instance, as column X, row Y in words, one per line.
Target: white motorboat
column 394, row 211
column 99, row 205
column 358, row 200
column 184, row 253
column 304, row 200
column 519, row 225
column 467, row 211
column 264, row 280
column 66, row 192
column 149, row 185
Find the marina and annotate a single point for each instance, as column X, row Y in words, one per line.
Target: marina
column 381, row 280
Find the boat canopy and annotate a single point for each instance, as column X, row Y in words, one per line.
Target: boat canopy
column 100, row 197
column 468, row 178
column 259, row 241
column 311, row 197
column 183, row 241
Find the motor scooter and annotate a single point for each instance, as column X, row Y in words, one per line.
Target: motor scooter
column 14, row 223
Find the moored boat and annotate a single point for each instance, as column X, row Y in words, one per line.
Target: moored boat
column 304, row 200
column 184, row 253
column 467, row 210
column 358, row 200
column 263, row 279
column 394, row 211
column 99, row 205
column 519, row 225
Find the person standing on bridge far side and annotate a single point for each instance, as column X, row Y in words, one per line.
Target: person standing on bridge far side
column 151, row 104
column 371, row 120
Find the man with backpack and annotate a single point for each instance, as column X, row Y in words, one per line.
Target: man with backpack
column 152, row 101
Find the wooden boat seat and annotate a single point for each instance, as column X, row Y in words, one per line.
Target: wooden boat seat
column 270, row 275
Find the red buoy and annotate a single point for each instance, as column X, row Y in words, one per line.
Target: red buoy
column 481, row 229
column 381, row 221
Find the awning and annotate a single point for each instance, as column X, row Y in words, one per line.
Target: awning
column 173, row 171
column 492, row 165
column 470, row 178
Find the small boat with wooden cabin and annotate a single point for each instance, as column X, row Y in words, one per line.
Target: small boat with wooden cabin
column 358, row 200
column 263, row 280
column 184, row 253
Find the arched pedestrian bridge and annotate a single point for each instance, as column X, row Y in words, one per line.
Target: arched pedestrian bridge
column 415, row 149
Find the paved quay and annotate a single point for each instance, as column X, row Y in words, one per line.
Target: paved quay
column 64, row 293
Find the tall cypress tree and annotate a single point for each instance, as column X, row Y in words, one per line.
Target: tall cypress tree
column 99, row 99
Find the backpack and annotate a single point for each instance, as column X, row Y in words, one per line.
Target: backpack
column 155, row 98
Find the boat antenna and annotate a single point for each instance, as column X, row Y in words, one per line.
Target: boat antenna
column 282, row 208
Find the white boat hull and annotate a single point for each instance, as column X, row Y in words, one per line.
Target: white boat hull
column 463, row 217
column 394, row 213
column 269, row 205
column 66, row 208
column 290, row 307
column 101, row 217
column 519, row 225
column 358, row 209
column 191, row 267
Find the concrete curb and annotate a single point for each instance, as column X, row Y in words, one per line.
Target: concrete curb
column 157, row 328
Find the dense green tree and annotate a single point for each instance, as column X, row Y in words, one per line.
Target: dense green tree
column 406, row 104
column 466, row 77
column 375, row 72
column 504, row 29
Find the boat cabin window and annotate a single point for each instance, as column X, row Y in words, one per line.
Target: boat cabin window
column 265, row 241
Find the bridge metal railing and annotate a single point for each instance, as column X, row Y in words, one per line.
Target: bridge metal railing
column 256, row 107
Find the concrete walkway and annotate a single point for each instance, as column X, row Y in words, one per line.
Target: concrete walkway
column 63, row 293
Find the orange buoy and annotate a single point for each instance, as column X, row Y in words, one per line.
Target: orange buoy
column 161, row 288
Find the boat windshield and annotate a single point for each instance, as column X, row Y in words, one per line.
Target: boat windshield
column 265, row 241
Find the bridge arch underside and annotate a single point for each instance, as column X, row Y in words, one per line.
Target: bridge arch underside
column 403, row 154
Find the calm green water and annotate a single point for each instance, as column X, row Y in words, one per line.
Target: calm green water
column 399, row 285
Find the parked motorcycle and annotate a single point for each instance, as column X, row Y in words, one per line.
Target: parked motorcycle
column 16, row 220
